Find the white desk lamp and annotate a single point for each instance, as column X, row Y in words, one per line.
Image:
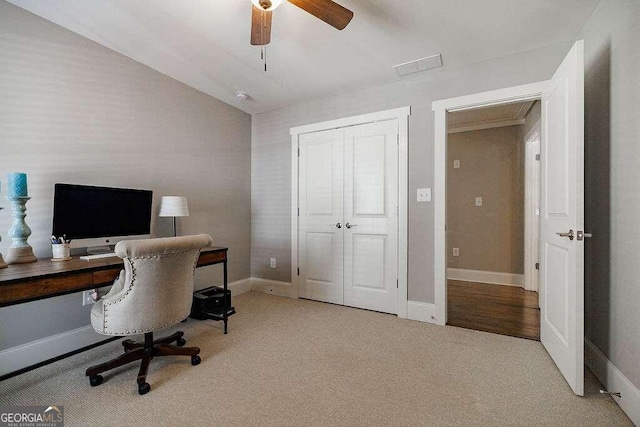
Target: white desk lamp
column 173, row 206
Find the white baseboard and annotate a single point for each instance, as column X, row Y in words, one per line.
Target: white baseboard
column 43, row 349
column 422, row 312
column 273, row 287
column 614, row 381
column 480, row 276
column 240, row 287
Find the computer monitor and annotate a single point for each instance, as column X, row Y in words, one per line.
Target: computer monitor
column 100, row 216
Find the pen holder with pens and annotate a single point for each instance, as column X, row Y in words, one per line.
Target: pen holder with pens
column 61, row 251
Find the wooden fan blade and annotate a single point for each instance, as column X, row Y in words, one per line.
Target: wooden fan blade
column 329, row 11
column 260, row 27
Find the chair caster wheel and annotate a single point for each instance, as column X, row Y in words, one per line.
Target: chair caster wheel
column 95, row 380
column 144, row 388
column 195, row 360
column 181, row 342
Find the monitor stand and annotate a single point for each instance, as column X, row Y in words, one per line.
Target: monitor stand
column 97, row 250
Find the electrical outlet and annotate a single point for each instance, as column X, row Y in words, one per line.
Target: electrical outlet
column 87, row 297
column 272, row 263
column 478, row 201
column 456, row 251
column 424, row 194
column 456, row 164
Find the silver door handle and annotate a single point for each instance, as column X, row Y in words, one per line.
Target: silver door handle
column 582, row 235
column 569, row 234
column 336, row 225
column 350, row 225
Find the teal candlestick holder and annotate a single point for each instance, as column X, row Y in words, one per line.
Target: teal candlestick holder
column 19, row 252
column 2, row 263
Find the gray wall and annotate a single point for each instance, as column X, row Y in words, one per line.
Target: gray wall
column 490, row 237
column 612, row 183
column 271, row 152
column 74, row 111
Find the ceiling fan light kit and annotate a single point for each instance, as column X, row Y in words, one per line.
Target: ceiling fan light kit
column 326, row 10
column 267, row 5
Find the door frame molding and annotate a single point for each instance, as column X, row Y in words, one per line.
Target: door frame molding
column 402, row 115
column 531, row 199
column 440, row 108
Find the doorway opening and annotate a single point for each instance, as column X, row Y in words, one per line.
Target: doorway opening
column 561, row 220
column 492, row 211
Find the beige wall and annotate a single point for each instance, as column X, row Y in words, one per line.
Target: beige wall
column 490, row 237
column 74, row 111
column 612, row 183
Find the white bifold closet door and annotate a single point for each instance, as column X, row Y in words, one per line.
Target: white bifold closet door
column 348, row 225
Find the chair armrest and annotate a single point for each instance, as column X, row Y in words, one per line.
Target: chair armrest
column 117, row 288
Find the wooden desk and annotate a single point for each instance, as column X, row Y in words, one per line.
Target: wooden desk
column 20, row 283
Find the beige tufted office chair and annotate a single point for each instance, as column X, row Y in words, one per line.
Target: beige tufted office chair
column 154, row 291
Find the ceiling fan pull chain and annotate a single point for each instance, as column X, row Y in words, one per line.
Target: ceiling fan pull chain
column 263, row 48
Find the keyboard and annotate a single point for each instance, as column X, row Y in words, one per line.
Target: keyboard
column 97, row 256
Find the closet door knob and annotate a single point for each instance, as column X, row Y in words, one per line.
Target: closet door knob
column 569, row 234
column 350, row 225
column 336, row 225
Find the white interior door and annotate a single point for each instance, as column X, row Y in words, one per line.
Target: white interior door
column 320, row 225
column 562, row 211
column 370, row 215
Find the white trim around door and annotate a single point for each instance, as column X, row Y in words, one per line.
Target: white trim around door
column 402, row 115
column 441, row 108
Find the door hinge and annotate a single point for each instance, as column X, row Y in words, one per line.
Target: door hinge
column 537, row 266
column 298, row 211
column 298, row 152
column 398, row 139
column 298, row 271
column 397, row 284
column 538, row 157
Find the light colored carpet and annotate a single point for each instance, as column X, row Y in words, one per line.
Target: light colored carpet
column 297, row 362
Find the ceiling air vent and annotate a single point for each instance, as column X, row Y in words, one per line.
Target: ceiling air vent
column 418, row 65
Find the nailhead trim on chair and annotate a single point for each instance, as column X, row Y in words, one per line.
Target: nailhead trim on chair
column 133, row 277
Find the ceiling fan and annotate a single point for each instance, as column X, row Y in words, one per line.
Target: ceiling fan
column 328, row 11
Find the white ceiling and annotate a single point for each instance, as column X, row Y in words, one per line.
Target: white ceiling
column 205, row 43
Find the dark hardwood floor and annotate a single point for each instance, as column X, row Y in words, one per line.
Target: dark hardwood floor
column 507, row 310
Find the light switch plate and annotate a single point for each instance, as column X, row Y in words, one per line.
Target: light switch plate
column 456, row 251
column 424, row 194
column 456, row 164
column 478, row 201
column 272, row 262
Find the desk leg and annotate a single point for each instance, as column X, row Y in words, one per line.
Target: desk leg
column 226, row 307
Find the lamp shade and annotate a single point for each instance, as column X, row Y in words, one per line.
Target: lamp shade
column 174, row 206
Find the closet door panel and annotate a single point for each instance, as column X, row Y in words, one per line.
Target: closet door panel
column 320, row 225
column 370, row 216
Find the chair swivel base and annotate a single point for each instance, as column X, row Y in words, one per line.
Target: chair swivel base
column 145, row 352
